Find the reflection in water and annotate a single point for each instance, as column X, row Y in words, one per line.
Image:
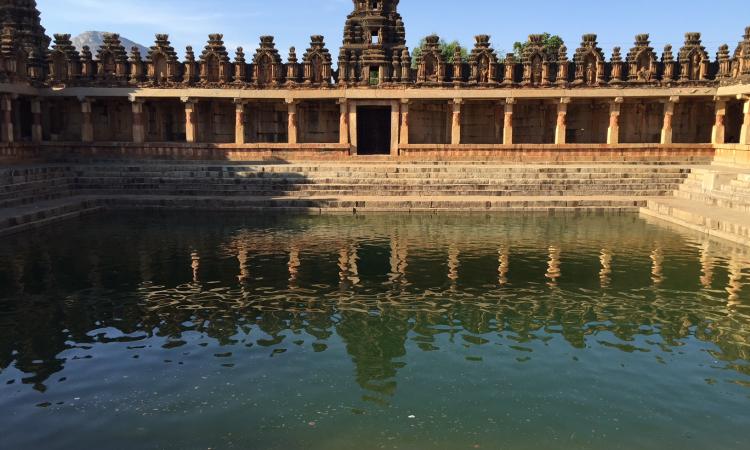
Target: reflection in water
column 657, row 270
column 553, row 265
column 606, row 261
column 504, row 266
column 369, row 310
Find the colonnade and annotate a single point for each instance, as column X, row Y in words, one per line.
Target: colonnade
column 504, row 118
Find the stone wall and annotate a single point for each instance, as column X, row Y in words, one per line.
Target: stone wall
column 534, row 122
column 318, row 122
column 482, row 123
column 430, row 123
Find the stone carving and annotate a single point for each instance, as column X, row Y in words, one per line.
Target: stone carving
column 112, row 60
column 563, row 66
column 509, row 69
column 317, row 63
column 536, row 62
column 693, row 59
column 589, row 62
column 162, row 61
column 724, row 63
column 214, row 61
column 741, row 63
column 668, row 64
column 642, row 61
column 267, row 66
column 63, row 60
column 615, row 67
column 483, row 62
column 240, row 66
column 190, row 67
column 431, row 63
column 136, row 66
column 292, row 67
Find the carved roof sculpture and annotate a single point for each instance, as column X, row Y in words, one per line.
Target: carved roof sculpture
column 616, row 64
column 431, row 63
column 190, row 67
column 63, row 60
column 267, row 65
column 214, row 61
column 162, row 61
column 724, row 63
column 642, row 61
column 693, row 59
column 589, row 62
column 23, row 18
column 536, row 60
column 741, row 63
column 317, row 62
column 240, row 66
column 668, row 65
column 563, row 66
column 292, row 67
column 137, row 72
column 112, row 59
column 483, row 62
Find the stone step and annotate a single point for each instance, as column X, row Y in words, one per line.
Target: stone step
column 719, row 222
column 30, row 199
column 427, row 193
column 15, row 220
column 717, row 199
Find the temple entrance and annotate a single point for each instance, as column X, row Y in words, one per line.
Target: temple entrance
column 373, row 130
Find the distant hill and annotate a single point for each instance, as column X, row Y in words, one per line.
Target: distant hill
column 94, row 39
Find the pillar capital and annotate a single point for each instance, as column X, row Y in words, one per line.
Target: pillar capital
column 240, row 101
column 510, row 101
column 404, row 101
column 458, row 101
column 673, row 99
column 564, row 100
column 189, row 100
column 291, row 101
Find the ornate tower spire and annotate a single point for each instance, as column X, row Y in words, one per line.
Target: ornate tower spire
column 24, row 18
column 374, row 36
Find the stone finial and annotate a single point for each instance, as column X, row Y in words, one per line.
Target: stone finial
column 189, row 54
column 616, row 55
column 292, row 59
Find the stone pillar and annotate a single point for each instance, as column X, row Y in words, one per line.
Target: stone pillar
column 404, row 132
column 562, row 121
column 343, row 121
column 508, row 122
column 87, row 122
column 745, row 131
column 292, row 126
column 239, row 121
column 36, row 124
column 190, row 128
column 395, row 126
column 666, row 131
column 139, row 129
column 353, row 139
column 718, row 131
column 613, row 132
column 7, row 125
column 456, row 122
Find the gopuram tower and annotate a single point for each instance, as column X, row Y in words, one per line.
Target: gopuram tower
column 374, row 48
column 23, row 42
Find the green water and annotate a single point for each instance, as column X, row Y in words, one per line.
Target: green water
column 196, row 331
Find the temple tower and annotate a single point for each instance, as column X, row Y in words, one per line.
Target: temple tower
column 24, row 18
column 374, row 44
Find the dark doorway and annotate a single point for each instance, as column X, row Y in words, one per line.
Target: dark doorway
column 373, row 130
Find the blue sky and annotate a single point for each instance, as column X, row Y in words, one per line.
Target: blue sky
column 293, row 21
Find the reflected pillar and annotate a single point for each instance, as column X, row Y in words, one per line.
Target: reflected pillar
column 553, row 265
column 707, row 266
column 195, row 265
column 605, row 273
column 718, row 130
column 657, row 261
column 503, row 266
column 453, row 264
column 293, row 265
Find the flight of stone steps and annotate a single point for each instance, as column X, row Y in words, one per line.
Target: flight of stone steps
column 713, row 200
column 33, row 194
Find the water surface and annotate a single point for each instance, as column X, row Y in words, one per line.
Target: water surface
column 380, row 331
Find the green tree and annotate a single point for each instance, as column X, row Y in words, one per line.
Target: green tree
column 552, row 42
column 448, row 49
